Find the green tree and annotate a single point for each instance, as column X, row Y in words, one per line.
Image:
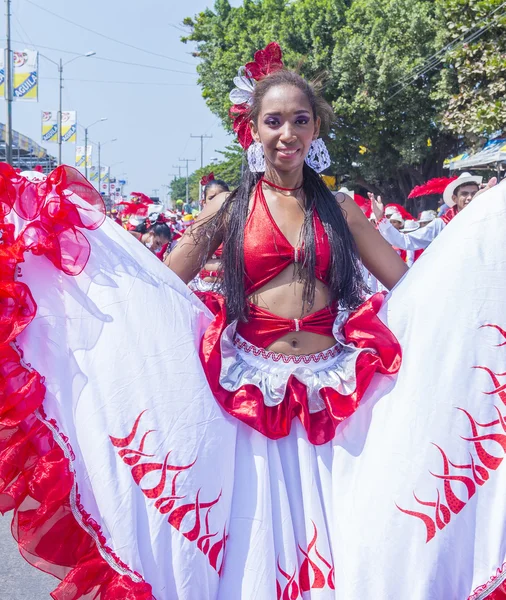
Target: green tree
column 387, row 136
column 475, row 78
column 227, row 38
column 178, row 188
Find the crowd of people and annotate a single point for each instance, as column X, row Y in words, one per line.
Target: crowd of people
column 408, row 235
column 254, row 418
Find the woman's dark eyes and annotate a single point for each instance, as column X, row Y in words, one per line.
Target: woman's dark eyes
column 275, row 123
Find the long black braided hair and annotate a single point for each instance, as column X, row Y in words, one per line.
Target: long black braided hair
column 345, row 283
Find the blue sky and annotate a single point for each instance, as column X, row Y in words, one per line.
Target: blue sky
column 151, row 111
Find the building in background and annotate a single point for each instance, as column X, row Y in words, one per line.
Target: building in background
column 26, row 154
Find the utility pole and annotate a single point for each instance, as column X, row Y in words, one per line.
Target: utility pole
column 187, row 160
column 60, row 108
column 179, row 167
column 60, row 64
column 86, row 152
column 86, row 146
column 8, row 87
column 202, row 138
column 99, row 167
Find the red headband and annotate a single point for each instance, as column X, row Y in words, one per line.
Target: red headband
column 267, row 61
column 207, row 179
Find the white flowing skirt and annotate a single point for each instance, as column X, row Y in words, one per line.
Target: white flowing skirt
column 408, row 499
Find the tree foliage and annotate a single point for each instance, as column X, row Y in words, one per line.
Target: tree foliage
column 399, row 113
column 386, row 136
column 475, row 78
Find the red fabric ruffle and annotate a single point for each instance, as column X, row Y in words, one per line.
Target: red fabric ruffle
column 35, row 476
column 499, row 593
column 363, row 329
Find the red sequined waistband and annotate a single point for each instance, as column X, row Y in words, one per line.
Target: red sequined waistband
column 263, row 327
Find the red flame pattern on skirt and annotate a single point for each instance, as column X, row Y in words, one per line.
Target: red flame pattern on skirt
column 315, row 572
column 481, row 462
column 191, row 519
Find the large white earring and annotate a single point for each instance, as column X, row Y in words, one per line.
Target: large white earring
column 256, row 158
column 318, row 157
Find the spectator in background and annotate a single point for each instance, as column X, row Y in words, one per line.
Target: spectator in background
column 457, row 195
column 154, row 235
column 426, row 217
column 187, row 207
column 396, row 220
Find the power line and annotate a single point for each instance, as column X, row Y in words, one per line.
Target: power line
column 474, row 36
column 23, row 31
column 111, row 39
column 187, row 160
column 113, row 60
column 162, row 83
column 178, row 27
column 123, row 62
column 429, row 62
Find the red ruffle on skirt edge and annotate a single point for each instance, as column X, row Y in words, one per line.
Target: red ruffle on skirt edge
column 35, row 476
column 363, row 329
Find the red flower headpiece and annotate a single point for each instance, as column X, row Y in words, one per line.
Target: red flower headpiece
column 207, row 179
column 161, row 219
column 267, row 61
column 433, row 186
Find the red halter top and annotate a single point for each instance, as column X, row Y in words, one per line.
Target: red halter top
column 267, row 253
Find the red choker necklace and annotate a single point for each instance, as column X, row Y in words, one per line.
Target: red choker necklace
column 278, row 187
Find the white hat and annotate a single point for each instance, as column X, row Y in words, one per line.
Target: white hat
column 427, row 216
column 389, row 211
column 345, row 190
column 410, row 226
column 396, row 216
column 461, row 180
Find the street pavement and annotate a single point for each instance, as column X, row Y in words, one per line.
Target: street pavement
column 18, row 579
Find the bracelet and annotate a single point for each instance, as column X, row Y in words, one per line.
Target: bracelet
column 383, row 220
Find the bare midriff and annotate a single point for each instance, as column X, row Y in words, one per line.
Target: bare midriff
column 282, row 296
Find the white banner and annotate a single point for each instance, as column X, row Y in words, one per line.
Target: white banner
column 50, row 126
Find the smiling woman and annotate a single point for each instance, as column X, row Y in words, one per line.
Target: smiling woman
column 291, row 273
column 269, row 442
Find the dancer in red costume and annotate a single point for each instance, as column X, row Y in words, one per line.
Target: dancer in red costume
column 276, row 447
column 210, row 276
column 156, row 235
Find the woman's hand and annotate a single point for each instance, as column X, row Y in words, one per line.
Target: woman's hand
column 377, row 206
column 485, row 187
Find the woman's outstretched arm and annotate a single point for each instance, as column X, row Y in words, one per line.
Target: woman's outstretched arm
column 377, row 255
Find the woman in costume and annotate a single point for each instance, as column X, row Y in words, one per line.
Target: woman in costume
column 155, row 234
column 174, row 458
column 210, row 275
